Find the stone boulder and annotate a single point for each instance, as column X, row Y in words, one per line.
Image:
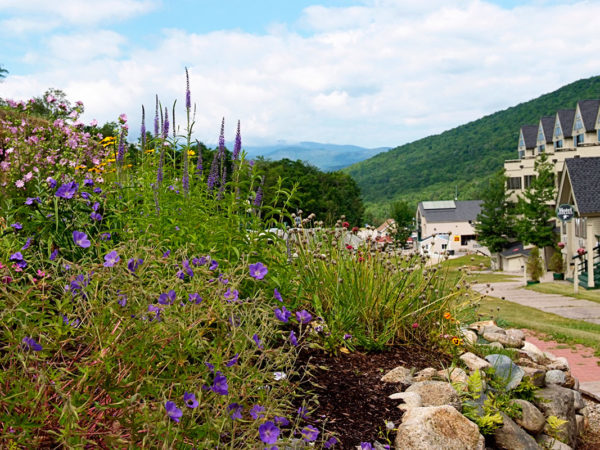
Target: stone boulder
column 436, row 393
column 506, row 369
column 552, row 444
column 438, row 427
column 454, row 374
column 425, row 374
column 560, row 402
column 512, row 437
column 532, row 420
column 555, row 377
column 537, row 376
column 409, row 400
column 399, row 375
column 474, row 362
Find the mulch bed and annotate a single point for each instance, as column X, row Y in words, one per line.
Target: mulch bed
column 352, row 401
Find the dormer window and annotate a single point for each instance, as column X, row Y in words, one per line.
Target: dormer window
column 521, row 141
column 557, row 130
column 578, row 122
column 541, row 137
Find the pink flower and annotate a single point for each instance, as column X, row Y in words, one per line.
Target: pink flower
column 415, row 325
column 20, row 184
column 28, row 176
column 123, row 118
column 41, row 273
column 17, row 268
column 93, row 123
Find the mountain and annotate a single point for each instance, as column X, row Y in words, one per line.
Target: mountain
column 327, row 157
column 461, row 159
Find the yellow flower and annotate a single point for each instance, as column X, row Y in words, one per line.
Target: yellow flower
column 456, row 341
column 80, row 167
column 110, row 160
column 150, row 150
column 191, row 152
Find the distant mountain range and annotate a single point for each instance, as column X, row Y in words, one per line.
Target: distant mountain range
column 458, row 160
column 327, row 157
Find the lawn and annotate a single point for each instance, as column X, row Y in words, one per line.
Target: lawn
column 566, row 288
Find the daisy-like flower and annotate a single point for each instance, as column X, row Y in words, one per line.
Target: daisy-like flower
column 269, row 433
column 310, row 433
column 190, row 400
column 258, row 270
column 111, row 258
column 81, row 239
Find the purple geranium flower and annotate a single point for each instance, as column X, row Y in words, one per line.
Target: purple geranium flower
column 31, row 200
column 330, row 442
column 293, row 338
column 81, row 239
column 53, row 254
column 283, row 314
column 97, row 190
column 310, row 433
column 27, row 244
column 173, row 411
column 257, row 412
column 366, row 446
column 88, row 182
column 30, row 343
column 231, row 295
column 168, row 298
column 258, row 270
column 281, row 421
column 186, row 268
column 210, row 366
column 122, row 300
column 166, row 254
column 195, row 298
column 67, row 190
column 236, row 410
column 303, row 316
column 199, row 261
column 51, row 182
column 233, row 360
column 95, row 216
column 220, row 384
column 277, row 295
column 132, row 264
column 268, row 432
column 256, row 339
column 85, row 195
column 17, row 226
column 111, row 258
column 190, row 400
column 155, row 310
column 105, row 236
column 213, row 265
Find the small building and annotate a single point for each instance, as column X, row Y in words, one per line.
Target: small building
column 448, row 226
column 580, row 188
column 514, row 258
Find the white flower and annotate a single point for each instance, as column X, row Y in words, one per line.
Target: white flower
column 389, row 425
column 279, row 376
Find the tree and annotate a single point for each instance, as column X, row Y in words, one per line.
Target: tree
column 534, row 225
column 3, row 72
column 495, row 222
column 403, row 216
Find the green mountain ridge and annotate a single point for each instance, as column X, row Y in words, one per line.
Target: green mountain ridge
column 461, row 159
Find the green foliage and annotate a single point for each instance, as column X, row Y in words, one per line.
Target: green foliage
column 495, row 222
column 3, row 72
column 526, row 390
column 403, row 215
column 555, row 427
column 475, row 384
column 535, row 225
column 535, row 268
column 557, row 262
column 464, row 157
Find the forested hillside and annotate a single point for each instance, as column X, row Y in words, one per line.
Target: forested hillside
column 462, row 158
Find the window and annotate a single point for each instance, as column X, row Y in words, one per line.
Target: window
column 578, row 140
column 598, row 135
column 521, row 141
column 578, row 122
column 514, row 183
column 542, row 148
column 521, row 154
column 541, row 137
column 557, row 130
column 528, row 180
column 559, row 144
column 580, row 227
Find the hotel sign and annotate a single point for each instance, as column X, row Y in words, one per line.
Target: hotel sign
column 565, row 212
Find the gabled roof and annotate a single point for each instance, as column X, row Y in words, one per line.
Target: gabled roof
column 548, row 127
column 566, row 117
column 515, row 249
column 584, row 174
column 529, row 135
column 464, row 211
column 589, row 113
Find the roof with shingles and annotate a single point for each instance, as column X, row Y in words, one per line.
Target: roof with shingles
column 466, row 210
column 548, row 127
column 515, row 249
column 529, row 135
column 584, row 174
column 566, row 117
column 589, row 113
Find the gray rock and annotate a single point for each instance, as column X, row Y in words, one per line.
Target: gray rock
column 531, row 419
column 399, row 375
column 474, row 362
column 496, row 345
column 409, row 400
column 515, row 333
column 438, row 427
column 454, row 375
column 569, row 380
column 560, row 402
column 533, row 352
column 470, row 337
column 580, row 423
column 537, row 376
column 578, row 402
column 552, row 444
column 425, row 374
column 555, row 377
column 512, row 437
column 559, row 363
column 436, row 393
column 506, row 369
column 479, row 326
column 492, row 329
column 503, row 338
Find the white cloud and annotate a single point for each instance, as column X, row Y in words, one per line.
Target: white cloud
column 379, row 74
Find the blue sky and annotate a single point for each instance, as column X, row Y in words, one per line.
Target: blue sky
column 366, row 72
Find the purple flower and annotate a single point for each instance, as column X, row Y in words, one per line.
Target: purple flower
column 258, row 198
column 188, row 99
column 17, row 226
column 67, row 190
column 257, row 412
column 236, row 410
column 277, row 295
column 166, row 254
column 268, row 432
column 281, row 421
column 84, row 195
column 168, row 298
column 330, row 442
column 258, row 270
column 186, row 267
column 210, row 366
column 199, row 167
column 366, row 446
column 190, row 400
column 303, row 316
column 347, row 337
column 155, row 310
column 95, row 206
column 213, row 265
column 220, row 384
column 111, row 258
column 32, row 200
column 310, row 433
column 88, row 182
column 132, row 264
column 95, row 216
column 97, row 190
column 156, row 119
column 233, row 360
column 30, row 344
column 53, row 254
column 165, row 129
column 122, row 300
column 81, row 239
column 199, row 261
column 231, row 295
column 105, row 236
column 283, row 314
column 173, row 411
column 27, row 244
column 256, row 340
column 195, row 298
column 303, row 412
column 237, row 147
column 293, row 338
column 51, row 182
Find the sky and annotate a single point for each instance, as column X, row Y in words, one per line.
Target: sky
column 366, row 72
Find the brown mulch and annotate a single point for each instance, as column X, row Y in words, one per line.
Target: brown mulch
column 352, row 401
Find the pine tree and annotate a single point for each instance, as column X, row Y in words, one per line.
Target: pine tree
column 495, row 222
column 534, row 225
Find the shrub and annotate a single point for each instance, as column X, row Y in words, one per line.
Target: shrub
column 557, row 262
column 535, row 267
